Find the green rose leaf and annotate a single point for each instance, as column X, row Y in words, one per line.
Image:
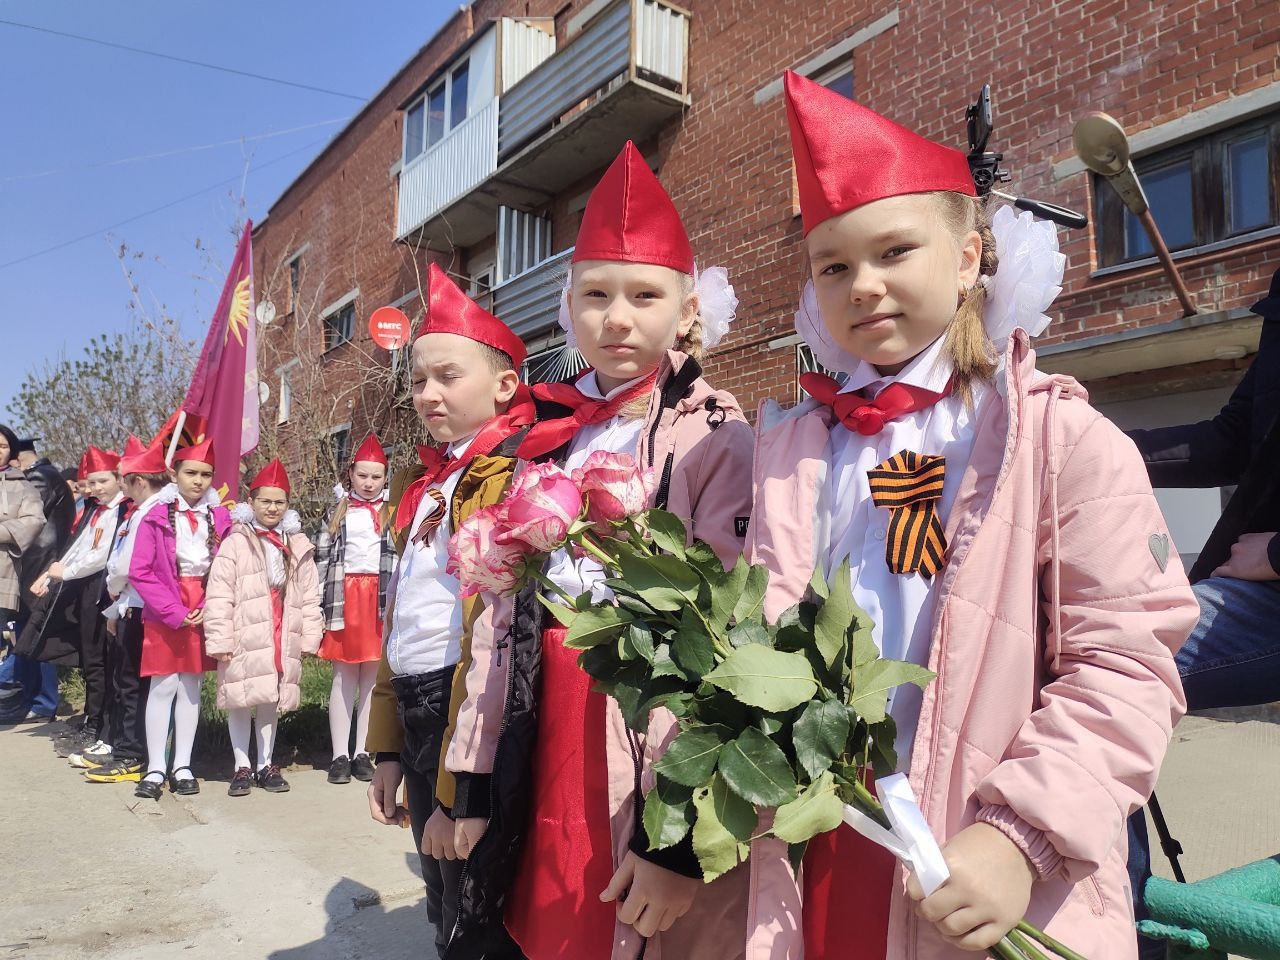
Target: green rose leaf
column 692, row 651
column 818, row 583
column 757, row 770
column 664, row 666
column 819, row 735
column 765, row 678
column 876, row 679
column 665, row 583
column 750, row 601
column 700, row 554
column 667, row 531
column 750, row 632
column 668, row 813
column 637, row 642
column 590, row 628
column 835, row 618
column 722, row 830
column 563, row 614
column 817, row 810
column 692, row 756
column 726, row 586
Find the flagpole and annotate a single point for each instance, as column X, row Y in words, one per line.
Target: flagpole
column 173, row 441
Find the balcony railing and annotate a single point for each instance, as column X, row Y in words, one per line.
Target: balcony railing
column 449, row 170
column 530, row 302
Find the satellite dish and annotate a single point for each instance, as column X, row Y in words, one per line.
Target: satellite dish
column 1102, row 146
column 264, row 391
column 266, row 313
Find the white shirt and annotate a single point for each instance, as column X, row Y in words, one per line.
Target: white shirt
column 275, row 559
column 364, row 542
column 901, row 605
column 194, row 558
column 89, row 551
column 426, row 622
column 619, row 435
column 118, row 584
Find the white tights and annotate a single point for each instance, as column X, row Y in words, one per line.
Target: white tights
column 350, row 681
column 238, row 726
column 179, row 694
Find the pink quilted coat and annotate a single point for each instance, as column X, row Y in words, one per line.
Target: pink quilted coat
column 237, row 618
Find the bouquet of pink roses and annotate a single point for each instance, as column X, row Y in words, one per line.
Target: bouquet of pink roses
column 789, row 715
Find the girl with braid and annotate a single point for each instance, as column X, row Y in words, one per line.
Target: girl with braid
column 175, row 546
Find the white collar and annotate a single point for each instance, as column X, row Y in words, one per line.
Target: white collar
column 199, row 506
column 589, row 387
column 116, row 500
column 459, row 447
column 930, row 369
column 382, row 495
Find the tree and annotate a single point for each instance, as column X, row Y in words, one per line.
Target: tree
column 122, row 383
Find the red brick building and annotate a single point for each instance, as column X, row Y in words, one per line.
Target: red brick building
column 480, row 153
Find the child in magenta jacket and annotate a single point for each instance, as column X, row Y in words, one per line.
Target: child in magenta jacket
column 1034, row 575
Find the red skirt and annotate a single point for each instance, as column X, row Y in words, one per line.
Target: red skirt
column 567, row 861
column 181, row 650
column 360, row 641
column 848, row 881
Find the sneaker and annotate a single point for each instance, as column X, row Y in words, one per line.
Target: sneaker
column 269, row 779
column 340, row 770
column 77, row 741
column 34, row 717
column 362, row 767
column 149, row 789
column 97, row 754
column 241, row 783
column 123, row 770
column 187, row 786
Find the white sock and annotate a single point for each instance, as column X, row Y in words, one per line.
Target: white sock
column 368, row 677
column 159, row 705
column 265, row 728
column 186, row 716
column 238, row 726
column 342, row 698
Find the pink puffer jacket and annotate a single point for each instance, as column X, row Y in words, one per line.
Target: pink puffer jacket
column 1059, row 611
column 237, row 618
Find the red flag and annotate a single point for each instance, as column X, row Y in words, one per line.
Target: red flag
column 224, row 387
column 192, row 431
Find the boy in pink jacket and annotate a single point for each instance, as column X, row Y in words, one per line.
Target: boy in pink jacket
column 1000, row 532
column 262, row 613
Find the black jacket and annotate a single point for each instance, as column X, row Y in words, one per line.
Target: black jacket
column 59, row 513
column 1241, row 446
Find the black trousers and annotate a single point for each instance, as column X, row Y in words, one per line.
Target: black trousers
column 93, row 654
column 127, row 710
column 424, row 713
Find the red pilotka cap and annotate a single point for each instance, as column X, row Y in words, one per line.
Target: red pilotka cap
column 371, row 451
column 630, row 218
column 272, row 475
column 847, row 155
column 97, row 460
column 449, row 310
column 149, row 459
column 201, row 452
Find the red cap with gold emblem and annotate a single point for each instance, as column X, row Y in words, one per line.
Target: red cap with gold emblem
column 272, row 475
column 98, row 460
column 847, row 155
column 371, row 451
column 201, row 452
column 449, row 310
column 631, row 219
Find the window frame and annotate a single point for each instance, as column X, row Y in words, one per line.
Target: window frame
column 284, row 403
column 330, row 322
column 444, row 84
column 1208, row 159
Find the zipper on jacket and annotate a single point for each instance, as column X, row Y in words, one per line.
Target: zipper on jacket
column 664, row 486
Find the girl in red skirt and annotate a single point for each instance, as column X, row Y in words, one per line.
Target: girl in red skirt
column 356, row 556
column 175, row 546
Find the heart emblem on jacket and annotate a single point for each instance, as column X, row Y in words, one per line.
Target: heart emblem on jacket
column 1159, row 544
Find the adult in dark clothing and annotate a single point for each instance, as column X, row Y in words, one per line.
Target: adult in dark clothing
column 1232, row 658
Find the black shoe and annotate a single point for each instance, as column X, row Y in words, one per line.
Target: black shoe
column 340, row 770
column 186, row 786
column 77, row 741
column 241, row 783
column 269, row 779
column 362, row 767
column 149, row 789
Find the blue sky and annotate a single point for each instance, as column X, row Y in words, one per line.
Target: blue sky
column 73, row 109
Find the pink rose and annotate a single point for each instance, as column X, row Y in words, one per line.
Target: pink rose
column 616, row 487
column 543, row 502
column 479, row 561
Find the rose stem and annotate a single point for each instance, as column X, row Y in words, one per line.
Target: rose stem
column 1047, row 941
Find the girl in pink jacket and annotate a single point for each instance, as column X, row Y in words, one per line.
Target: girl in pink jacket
column 1000, row 532
column 531, row 733
column 262, row 613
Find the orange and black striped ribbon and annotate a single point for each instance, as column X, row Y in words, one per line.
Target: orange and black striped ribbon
column 433, row 519
column 909, row 486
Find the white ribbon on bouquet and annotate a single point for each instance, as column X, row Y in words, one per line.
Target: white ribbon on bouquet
column 910, row 839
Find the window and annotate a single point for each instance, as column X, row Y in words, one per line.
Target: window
column 295, row 281
column 1209, row 190
column 285, row 406
column 340, row 326
column 430, row 120
column 838, row 78
column 340, row 445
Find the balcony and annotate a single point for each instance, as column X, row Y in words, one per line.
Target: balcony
column 529, row 302
column 569, row 112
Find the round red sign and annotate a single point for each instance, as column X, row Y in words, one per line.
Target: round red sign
column 389, row 328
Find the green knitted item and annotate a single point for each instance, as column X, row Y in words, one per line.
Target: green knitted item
column 1235, row 912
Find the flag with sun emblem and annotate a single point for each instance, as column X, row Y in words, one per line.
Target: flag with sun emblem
column 224, row 387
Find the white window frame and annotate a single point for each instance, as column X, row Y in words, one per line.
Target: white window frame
column 450, row 122
column 284, row 406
